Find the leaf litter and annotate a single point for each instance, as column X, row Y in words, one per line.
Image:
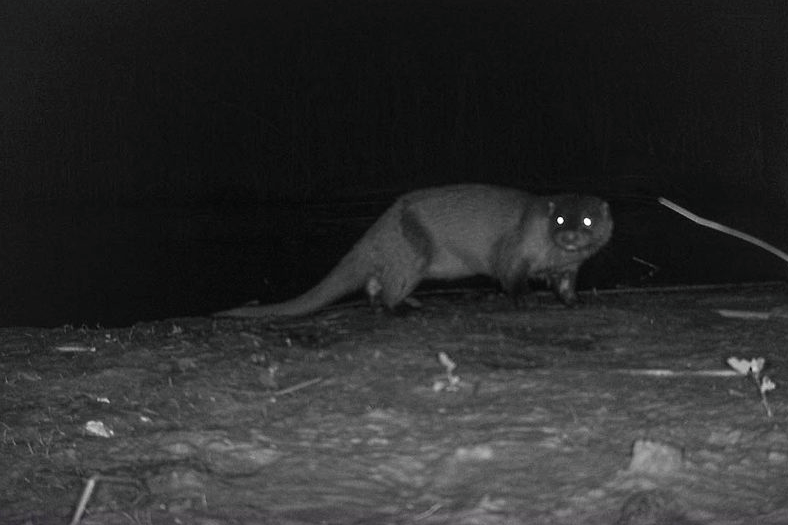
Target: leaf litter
column 463, row 411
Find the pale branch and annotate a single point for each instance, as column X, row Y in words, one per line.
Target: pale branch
column 724, row 229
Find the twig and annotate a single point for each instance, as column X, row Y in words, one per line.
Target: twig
column 744, row 314
column 298, row 386
column 724, row 229
column 665, row 372
column 754, row 368
column 83, row 500
column 87, row 492
column 427, row 513
column 765, row 403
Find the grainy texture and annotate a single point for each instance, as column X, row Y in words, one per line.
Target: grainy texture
column 223, row 421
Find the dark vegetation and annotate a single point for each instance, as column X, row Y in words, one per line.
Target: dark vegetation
column 181, row 103
column 140, row 140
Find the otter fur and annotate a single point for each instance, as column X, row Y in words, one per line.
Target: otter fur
column 458, row 231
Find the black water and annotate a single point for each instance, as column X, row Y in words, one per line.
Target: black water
column 116, row 266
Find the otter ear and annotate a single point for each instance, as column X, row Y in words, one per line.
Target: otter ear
column 550, row 207
column 605, row 209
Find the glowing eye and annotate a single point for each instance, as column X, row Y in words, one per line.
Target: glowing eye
column 587, row 221
column 559, row 220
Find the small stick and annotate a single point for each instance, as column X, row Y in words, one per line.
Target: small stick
column 765, row 403
column 427, row 513
column 744, row 314
column 724, row 229
column 83, row 501
column 87, row 492
column 665, row 372
column 298, row 386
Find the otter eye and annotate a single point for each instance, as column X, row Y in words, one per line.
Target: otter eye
column 587, row 221
column 559, row 220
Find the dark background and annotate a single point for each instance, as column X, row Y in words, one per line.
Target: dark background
column 174, row 158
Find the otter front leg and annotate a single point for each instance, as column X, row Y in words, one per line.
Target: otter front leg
column 373, row 288
column 516, row 286
column 563, row 284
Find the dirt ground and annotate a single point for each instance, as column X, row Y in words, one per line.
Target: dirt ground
column 622, row 411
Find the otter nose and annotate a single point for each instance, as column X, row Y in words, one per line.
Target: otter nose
column 568, row 237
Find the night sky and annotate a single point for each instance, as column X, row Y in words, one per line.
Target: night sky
column 165, row 159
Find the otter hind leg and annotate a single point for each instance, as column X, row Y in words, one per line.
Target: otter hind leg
column 404, row 271
column 399, row 286
column 401, row 255
column 391, row 284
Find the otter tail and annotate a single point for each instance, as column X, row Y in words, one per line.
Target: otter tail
column 348, row 276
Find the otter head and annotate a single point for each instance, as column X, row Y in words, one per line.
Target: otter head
column 580, row 224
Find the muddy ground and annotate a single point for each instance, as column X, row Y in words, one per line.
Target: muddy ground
column 620, row 411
